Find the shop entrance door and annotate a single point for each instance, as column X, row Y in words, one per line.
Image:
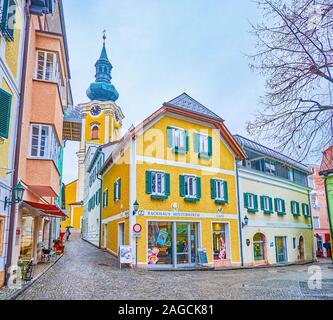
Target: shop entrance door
column 301, row 248
column 281, row 249
column 186, row 243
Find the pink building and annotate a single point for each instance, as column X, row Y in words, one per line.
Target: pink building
column 319, row 211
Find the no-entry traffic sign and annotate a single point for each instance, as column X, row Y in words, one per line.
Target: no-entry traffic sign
column 137, row 228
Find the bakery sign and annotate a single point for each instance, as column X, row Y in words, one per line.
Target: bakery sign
column 172, row 214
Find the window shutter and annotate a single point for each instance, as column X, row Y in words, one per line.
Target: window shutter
column 298, row 208
column 182, row 186
column 187, row 143
column 148, row 182
column 210, row 146
column 276, row 205
column 213, row 188
column 283, row 206
column 167, row 184
column 246, row 200
column 271, row 205
column 262, row 203
column 198, row 181
column 256, row 207
column 196, row 139
column 119, row 189
column 114, row 191
column 226, row 193
column 5, row 107
column 107, row 197
column 170, row 137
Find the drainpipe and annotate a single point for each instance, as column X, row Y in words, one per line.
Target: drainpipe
column 239, row 217
column 100, row 205
column 314, row 258
column 18, row 137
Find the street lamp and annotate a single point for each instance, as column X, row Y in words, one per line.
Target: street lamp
column 17, row 196
column 246, row 222
column 135, row 207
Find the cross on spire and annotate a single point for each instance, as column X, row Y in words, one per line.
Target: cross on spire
column 104, row 36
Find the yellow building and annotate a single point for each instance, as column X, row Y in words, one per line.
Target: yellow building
column 179, row 165
column 11, row 55
column 75, row 209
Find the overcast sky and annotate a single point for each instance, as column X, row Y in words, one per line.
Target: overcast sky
column 161, row 48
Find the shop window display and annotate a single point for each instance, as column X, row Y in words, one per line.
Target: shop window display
column 160, row 243
column 219, row 241
column 27, row 238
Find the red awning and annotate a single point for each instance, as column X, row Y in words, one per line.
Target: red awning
column 47, row 209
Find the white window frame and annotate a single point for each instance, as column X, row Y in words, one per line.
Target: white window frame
column 156, row 186
column 316, row 222
column 279, row 203
column 203, row 143
column 221, row 195
column 187, row 187
column 52, row 146
column 178, row 137
column 55, row 73
column 294, row 208
column 117, row 190
column 266, row 203
column 250, row 198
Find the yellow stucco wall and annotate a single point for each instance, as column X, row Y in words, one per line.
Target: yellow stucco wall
column 74, row 218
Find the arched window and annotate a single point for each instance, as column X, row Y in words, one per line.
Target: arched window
column 95, row 133
column 259, row 247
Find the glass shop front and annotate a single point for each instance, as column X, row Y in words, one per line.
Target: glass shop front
column 172, row 244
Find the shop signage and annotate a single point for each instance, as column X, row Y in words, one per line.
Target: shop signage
column 202, row 254
column 125, row 255
column 171, row 214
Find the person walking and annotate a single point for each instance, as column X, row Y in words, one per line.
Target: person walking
column 68, row 233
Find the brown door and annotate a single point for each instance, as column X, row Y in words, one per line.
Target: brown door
column 301, row 248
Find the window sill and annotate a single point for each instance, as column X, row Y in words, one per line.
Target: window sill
column 205, row 156
column 252, row 210
column 179, row 151
column 159, row 197
column 268, row 212
column 296, row 214
column 281, row 213
column 191, row 199
column 220, row 201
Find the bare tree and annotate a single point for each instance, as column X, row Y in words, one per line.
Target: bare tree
column 294, row 52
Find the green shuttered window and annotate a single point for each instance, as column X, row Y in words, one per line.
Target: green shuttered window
column 117, row 190
column 5, row 108
column 178, row 140
column 295, row 208
column 251, row 202
column 158, row 184
column 7, row 24
column 190, row 188
column 266, row 204
column 219, row 191
column 203, row 145
column 306, row 210
column 280, row 206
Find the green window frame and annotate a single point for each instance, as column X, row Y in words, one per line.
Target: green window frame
column 219, row 186
column 263, row 204
column 295, row 208
column 183, row 140
column 251, row 198
column 203, row 154
column 280, row 209
column 5, row 110
column 306, row 210
column 190, row 188
column 153, row 177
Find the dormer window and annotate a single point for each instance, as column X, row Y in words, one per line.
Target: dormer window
column 95, row 132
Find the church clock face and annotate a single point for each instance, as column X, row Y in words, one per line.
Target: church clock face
column 95, row 111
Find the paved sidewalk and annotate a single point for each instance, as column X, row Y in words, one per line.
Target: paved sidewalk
column 87, row 273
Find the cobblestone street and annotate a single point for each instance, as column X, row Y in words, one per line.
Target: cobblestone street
column 88, row 273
